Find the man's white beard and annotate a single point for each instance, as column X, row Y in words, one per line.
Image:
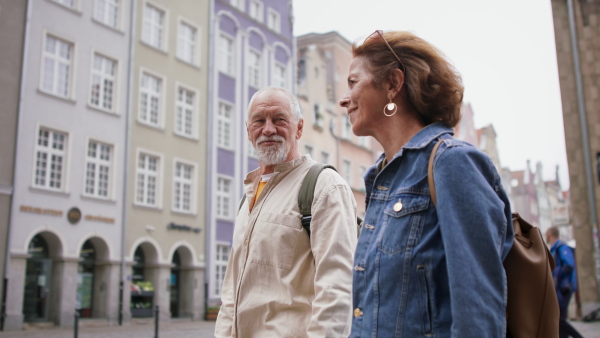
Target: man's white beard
column 271, row 155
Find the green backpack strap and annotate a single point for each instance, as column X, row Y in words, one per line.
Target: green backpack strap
column 307, row 193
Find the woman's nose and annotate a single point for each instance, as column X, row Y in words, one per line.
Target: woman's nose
column 344, row 101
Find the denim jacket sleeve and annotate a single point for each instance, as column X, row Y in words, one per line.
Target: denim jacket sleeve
column 473, row 214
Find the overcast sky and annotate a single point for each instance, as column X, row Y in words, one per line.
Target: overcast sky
column 505, row 51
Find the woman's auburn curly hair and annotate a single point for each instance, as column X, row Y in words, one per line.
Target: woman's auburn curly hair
column 433, row 86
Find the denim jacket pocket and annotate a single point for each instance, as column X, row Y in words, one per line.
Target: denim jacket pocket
column 404, row 219
column 424, row 300
column 280, row 253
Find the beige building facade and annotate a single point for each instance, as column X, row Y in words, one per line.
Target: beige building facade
column 579, row 70
column 165, row 239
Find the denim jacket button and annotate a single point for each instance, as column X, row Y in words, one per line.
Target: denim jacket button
column 398, row 206
column 381, row 187
column 357, row 313
column 359, row 268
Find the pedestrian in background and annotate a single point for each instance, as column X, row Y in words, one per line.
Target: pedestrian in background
column 565, row 279
column 423, row 270
column 279, row 281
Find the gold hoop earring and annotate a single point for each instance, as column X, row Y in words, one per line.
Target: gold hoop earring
column 390, row 107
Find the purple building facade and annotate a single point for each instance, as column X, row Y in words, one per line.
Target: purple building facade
column 252, row 46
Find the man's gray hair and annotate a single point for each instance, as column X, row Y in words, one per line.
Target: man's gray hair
column 294, row 105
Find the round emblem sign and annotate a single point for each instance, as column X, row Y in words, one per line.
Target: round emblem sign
column 74, row 215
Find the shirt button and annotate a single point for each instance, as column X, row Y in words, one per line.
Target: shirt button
column 357, row 313
column 246, row 242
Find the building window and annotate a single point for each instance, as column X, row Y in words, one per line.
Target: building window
column 50, row 159
column 251, row 150
column 222, row 256
column 187, row 43
column 147, row 180
column 256, row 10
column 153, row 32
column 254, row 69
column 324, row 157
column 346, row 127
column 273, row 20
column 239, row 4
column 150, row 99
column 225, row 55
column 107, row 12
column 279, row 76
column 98, row 169
column 183, row 185
column 362, row 170
column 224, row 126
column 347, row 171
column 363, row 141
column 185, row 117
column 318, row 116
column 66, row 3
column 309, row 150
column 103, row 82
column 224, row 198
column 58, row 65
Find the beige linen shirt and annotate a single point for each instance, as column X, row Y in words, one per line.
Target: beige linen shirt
column 279, row 282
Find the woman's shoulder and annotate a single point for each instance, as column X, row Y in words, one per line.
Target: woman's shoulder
column 460, row 154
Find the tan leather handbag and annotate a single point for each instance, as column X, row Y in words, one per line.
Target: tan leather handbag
column 532, row 307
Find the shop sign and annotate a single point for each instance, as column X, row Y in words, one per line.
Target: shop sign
column 174, row 226
column 41, row 211
column 103, row 219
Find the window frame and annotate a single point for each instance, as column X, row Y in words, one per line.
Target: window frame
column 111, row 170
column 220, row 267
column 193, row 183
column 229, row 57
column 195, row 111
column 196, row 47
column 238, row 4
column 164, row 42
column 276, row 24
column 159, row 179
column 260, row 12
column 220, row 195
column 162, row 97
column 65, row 161
column 115, row 91
column 231, row 121
column 75, row 8
column 72, row 67
column 280, row 81
column 255, row 70
column 118, row 21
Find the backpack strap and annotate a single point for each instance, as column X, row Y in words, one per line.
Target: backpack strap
column 307, row 193
column 430, row 174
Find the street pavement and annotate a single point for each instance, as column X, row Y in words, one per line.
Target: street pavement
column 202, row 329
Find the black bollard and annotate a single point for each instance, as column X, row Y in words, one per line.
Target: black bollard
column 156, row 322
column 76, row 323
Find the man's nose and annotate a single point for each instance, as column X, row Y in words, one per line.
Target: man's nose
column 345, row 100
column 269, row 128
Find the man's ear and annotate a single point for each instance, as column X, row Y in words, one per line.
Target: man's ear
column 248, row 131
column 300, row 128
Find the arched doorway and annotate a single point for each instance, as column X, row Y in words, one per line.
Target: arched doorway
column 142, row 290
column 175, row 286
column 38, row 273
column 85, row 279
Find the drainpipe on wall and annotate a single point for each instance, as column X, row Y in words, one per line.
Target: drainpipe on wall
column 585, row 137
column 12, row 196
column 209, row 151
column 126, row 155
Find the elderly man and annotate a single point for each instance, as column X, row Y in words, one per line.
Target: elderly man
column 281, row 282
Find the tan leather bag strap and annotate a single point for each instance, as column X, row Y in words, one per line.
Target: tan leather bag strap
column 430, row 174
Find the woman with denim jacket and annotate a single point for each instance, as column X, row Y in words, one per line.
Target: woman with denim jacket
column 422, row 270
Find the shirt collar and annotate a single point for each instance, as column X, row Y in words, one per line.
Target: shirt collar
column 421, row 140
column 282, row 167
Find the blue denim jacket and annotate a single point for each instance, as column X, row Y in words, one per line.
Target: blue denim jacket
column 422, row 272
